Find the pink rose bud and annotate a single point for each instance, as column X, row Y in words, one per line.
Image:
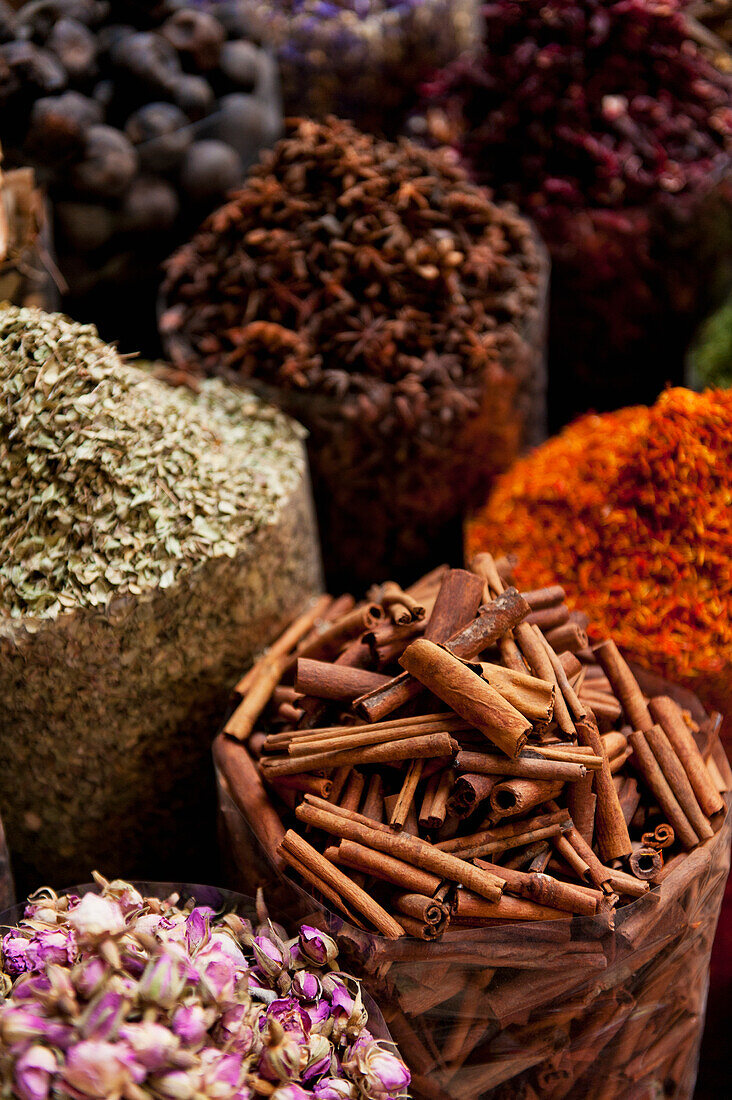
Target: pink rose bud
column 99, row 1070
column 94, row 918
column 190, row 1023
column 306, row 986
column 197, row 929
column 291, row 1092
column 270, row 958
column 18, row 954
column 381, row 1073
column 102, row 1018
column 316, row 946
column 154, row 1045
column 18, row 1025
column 334, row 1088
column 176, row 1086
column 164, row 980
column 33, row 1073
column 317, row 1057
column 88, row 977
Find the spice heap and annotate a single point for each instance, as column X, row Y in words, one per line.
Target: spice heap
column 630, row 511
column 363, row 59
column 391, row 307
column 609, row 126
column 149, row 536
column 114, row 482
column 116, row 994
column 528, row 739
column 438, row 762
column 138, row 119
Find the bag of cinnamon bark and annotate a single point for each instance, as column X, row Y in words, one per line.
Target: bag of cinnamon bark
column 581, row 978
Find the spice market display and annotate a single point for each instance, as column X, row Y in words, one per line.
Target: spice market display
column 361, row 59
column 117, row 994
column 608, row 125
column 373, row 293
column 138, row 119
column 441, row 761
column 630, row 512
column 330, row 272
column 151, row 537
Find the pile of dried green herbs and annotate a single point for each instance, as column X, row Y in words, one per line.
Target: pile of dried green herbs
column 113, row 482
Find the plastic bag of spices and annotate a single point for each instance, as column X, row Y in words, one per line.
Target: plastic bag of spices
column 151, row 538
column 391, row 307
column 496, row 999
column 625, row 176
column 249, row 968
column 360, row 59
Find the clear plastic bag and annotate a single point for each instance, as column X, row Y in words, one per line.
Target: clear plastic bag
column 555, row 1009
column 392, row 503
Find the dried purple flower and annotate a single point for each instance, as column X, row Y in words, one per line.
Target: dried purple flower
column 190, row 1007
column 33, row 1073
column 316, row 946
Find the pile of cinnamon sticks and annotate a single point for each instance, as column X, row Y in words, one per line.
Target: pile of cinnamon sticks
column 455, row 755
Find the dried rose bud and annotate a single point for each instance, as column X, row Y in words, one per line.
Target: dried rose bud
column 104, row 1014
column 164, row 979
column 306, row 986
column 191, row 1022
column 98, row 1069
column 291, row 1092
column 154, row 1045
column 280, row 1059
column 316, row 946
column 96, row 917
column 334, row 1088
column 380, row 1072
column 270, row 958
column 33, row 1073
column 317, row 1056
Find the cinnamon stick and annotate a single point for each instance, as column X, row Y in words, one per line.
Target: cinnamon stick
column 406, row 794
column 468, row 695
column 624, row 685
column 330, row 681
column 309, row 857
column 457, row 603
column 524, row 766
column 468, row 791
column 548, row 618
column 613, row 838
column 432, row 744
column 518, row 796
column 669, row 717
column 409, row 848
column 546, row 890
column 384, row 867
column 507, row 908
column 645, row 863
column 539, row 598
column 655, row 780
column 249, row 794
column 532, row 697
column 678, row 781
column 568, row 638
